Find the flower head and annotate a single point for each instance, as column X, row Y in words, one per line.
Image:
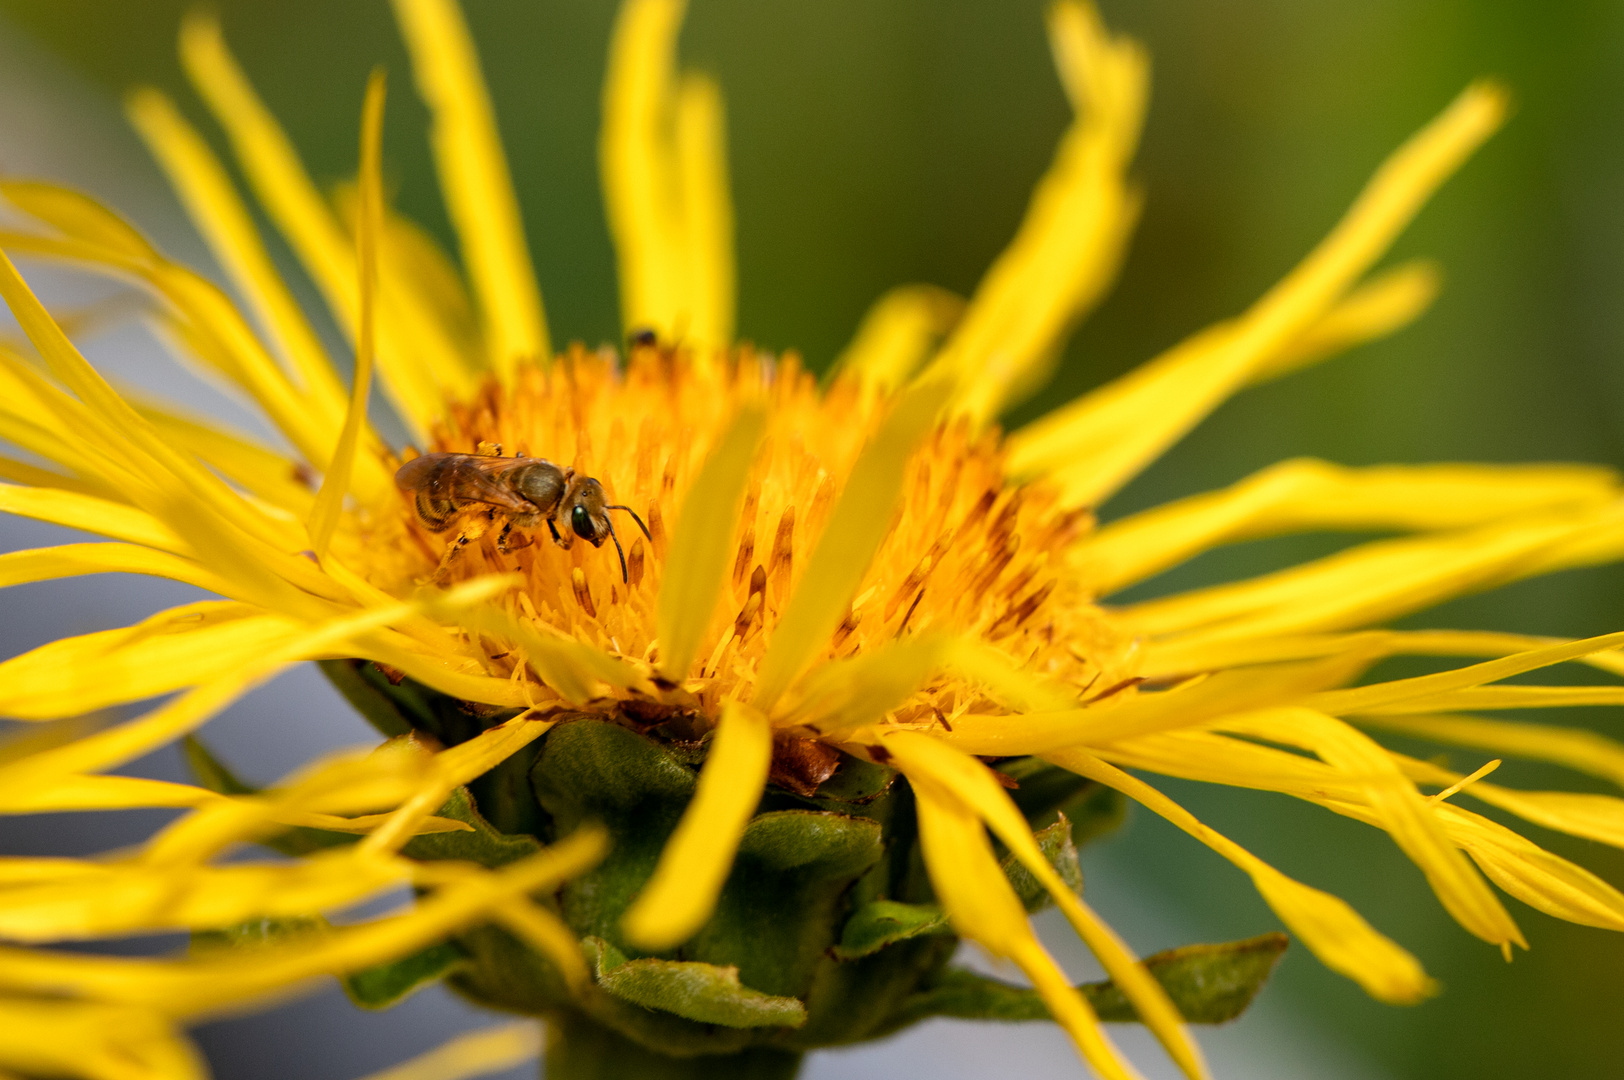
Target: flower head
column 814, row 587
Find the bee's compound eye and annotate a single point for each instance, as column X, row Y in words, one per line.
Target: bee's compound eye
column 581, row 522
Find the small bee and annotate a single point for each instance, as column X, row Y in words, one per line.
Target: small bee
column 525, row 490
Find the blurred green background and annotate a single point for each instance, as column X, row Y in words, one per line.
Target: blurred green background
column 882, row 141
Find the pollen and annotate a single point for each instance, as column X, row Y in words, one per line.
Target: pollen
column 971, row 551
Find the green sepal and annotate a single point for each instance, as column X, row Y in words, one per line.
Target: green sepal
column 885, row 922
column 783, row 902
column 258, row 933
column 1210, row 984
column 363, row 686
column 484, row 845
column 855, row 783
column 1055, row 842
column 704, row 993
column 381, row 986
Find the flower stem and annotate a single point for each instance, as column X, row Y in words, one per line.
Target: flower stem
column 579, row 1049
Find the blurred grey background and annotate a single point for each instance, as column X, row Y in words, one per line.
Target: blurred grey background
column 882, row 141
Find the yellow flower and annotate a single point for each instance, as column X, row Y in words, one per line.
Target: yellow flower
column 864, row 570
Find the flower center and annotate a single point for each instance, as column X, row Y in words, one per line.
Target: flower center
column 968, row 552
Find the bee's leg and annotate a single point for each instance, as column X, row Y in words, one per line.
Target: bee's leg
column 474, row 528
column 502, row 537
column 554, row 530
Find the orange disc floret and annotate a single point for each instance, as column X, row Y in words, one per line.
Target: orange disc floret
column 969, row 551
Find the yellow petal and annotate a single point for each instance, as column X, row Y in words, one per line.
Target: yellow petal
column 475, row 1053
column 1388, row 302
column 1373, row 582
column 135, row 898
column 1576, row 748
column 707, row 213
column 324, row 513
column 1184, row 657
column 416, row 358
column 90, row 514
column 98, row 1042
column 1331, row 929
column 1094, row 445
column 637, row 167
column 1190, row 703
column 475, row 181
column 897, row 333
column 982, row 907
column 1399, row 809
column 1304, row 494
column 858, row 523
column 1076, row 227
column 75, row 560
column 203, row 986
column 1427, row 687
column 972, row 784
column 169, row 651
column 694, row 865
column 215, row 208
column 1533, row 875
column 451, row 769
column 857, row 690
column 697, row 562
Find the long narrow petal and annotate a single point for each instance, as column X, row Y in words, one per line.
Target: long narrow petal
column 1096, row 444
column 858, row 523
column 707, row 213
column 335, row 484
column 1195, row 702
column 1578, row 749
column 636, row 166
column 474, row 177
column 215, row 208
column 1331, row 929
column 984, row 908
column 420, row 362
column 100, row 1042
column 1386, row 303
column 198, row 987
column 1399, row 808
column 1423, row 687
column 1305, row 494
column 897, row 333
column 1075, row 230
column 1183, row 657
column 697, row 563
column 973, row 785
column 75, row 560
column 694, row 865
column 1376, row 581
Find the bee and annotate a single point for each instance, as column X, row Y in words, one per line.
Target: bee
column 525, row 490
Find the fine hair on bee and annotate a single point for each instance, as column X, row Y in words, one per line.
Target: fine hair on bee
column 526, row 491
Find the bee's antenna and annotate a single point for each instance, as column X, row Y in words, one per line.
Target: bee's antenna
column 635, row 518
column 625, row 579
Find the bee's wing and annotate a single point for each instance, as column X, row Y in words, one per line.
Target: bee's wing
column 462, row 478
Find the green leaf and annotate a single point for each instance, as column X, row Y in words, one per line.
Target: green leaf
column 392, row 714
column 705, row 993
column 885, row 922
column 1055, row 842
column 381, row 986
column 1210, row 984
column 485, row 845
